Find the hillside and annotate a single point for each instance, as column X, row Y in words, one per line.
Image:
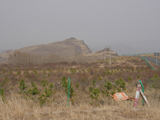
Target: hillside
column 70, row 50
column 65, row 48
column 99, row 55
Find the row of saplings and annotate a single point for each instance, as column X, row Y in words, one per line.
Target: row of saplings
column 47, row 95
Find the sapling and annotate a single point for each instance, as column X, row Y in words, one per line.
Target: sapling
column 1, row 92
column 19, row 72
column 44, row 72
column 94, row 91
column 10, row 72
column 108, row 87
column 47, row 93
column 155, row 75
column 35, row 72
column 44, row 82
column 26, row 73
column 89, row 69
column 129, row 78
column 120, row 84
column 34, row 90
column 5, row 79
column 99, row 77
column 77, row 85
column 49, row 75
column 72, row 70
column 65, row 84
column 4, row 71
column 22, row 85
column 51, row 85
column 108, row 72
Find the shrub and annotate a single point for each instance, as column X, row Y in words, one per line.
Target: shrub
column 26, row 74
column 120, row 84
column 34, row 90
column 72, row 70
column 47, row 93
column 49, row 75
column 3, row 71
column 99, row 77
column 22, row 85
column 5, row 79
column 95, row 93
column 44, row 72
column 129, row 78
column 77, row 85
column 108, row 87
column 1, row 92
column 10, row 72
column 35, row 71
column 19, row 72
column 44, row 82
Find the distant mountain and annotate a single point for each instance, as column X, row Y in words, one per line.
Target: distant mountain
column 119, row 48
column 123, row 49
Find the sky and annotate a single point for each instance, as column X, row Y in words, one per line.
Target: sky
column 100, row 23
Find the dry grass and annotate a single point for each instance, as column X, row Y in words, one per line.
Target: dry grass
column 18, row 108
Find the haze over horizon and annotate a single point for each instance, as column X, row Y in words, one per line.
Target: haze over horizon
column 121, row 23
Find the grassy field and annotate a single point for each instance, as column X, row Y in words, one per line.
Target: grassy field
column 39, row 92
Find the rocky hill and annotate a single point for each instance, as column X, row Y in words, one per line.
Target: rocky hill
column 69, row 50
column 99, row 55
column 65, row 48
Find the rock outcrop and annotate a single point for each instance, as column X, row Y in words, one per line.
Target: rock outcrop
column 65, row 48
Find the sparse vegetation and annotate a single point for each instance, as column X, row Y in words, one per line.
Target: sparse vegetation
column 45, row 87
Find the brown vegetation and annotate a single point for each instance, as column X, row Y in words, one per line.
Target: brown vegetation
column 18, row 105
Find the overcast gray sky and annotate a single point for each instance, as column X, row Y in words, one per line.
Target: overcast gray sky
column 135, row 23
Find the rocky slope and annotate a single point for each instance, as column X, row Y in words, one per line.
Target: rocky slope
column 70, row 49
column 99, row 55
column 65, row 48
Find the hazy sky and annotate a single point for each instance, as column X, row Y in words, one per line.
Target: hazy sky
column 98, row 22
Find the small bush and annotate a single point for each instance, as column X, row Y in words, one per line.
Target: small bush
column 22, row 85
column 34, row 90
